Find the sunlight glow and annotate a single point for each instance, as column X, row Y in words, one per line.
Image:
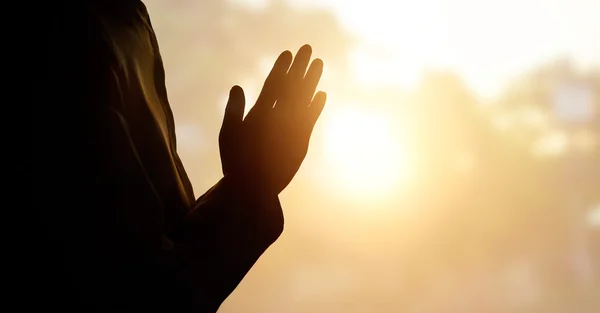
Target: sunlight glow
column 552, row 144
column 362, row 152
column 472, row 37
column 376, row 68
column 594, row 216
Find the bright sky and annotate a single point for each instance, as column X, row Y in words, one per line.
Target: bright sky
column 363, row 173
column 486, row 41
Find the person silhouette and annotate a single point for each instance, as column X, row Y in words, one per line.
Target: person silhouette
column 127, row 233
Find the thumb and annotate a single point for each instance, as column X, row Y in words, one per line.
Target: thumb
column 234, row 111
column 230, row 130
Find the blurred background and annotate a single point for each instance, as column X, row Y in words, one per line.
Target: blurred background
column 455, row 168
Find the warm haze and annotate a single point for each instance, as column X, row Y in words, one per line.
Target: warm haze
column 375, row 220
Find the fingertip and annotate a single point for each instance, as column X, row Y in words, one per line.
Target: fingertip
column 236, row 102
column 305, row 49
column 318, row 62
column 286, row 55
column 322, row 96
column 283, row 61
column 318, row 102
column 317, row 106
column 236, row 89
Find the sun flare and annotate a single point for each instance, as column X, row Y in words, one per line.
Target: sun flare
column 363, row 153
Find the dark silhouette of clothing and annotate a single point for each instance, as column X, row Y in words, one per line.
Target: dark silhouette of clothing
column 120, row 228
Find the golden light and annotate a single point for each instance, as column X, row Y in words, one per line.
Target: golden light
column 378, row 68
column 554, row 143
column 363, row 153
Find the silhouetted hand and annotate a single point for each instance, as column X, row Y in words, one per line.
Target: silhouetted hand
column 266, row 149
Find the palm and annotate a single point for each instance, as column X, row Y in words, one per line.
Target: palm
column 269, row 145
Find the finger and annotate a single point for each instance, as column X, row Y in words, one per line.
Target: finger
column 231, row 128
column 273, row 85
column 298, row 69
column 311, row 80
column 295, row 75
column 234, row 111
column 315, row 109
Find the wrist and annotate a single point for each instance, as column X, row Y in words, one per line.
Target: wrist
column 261, row 205
column 250, row 187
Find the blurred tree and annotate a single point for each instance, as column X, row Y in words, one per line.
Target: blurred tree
column 559, row 188
column 494, row 201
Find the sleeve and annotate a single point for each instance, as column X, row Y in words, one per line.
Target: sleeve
column 228, row 231
column 98, row 257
